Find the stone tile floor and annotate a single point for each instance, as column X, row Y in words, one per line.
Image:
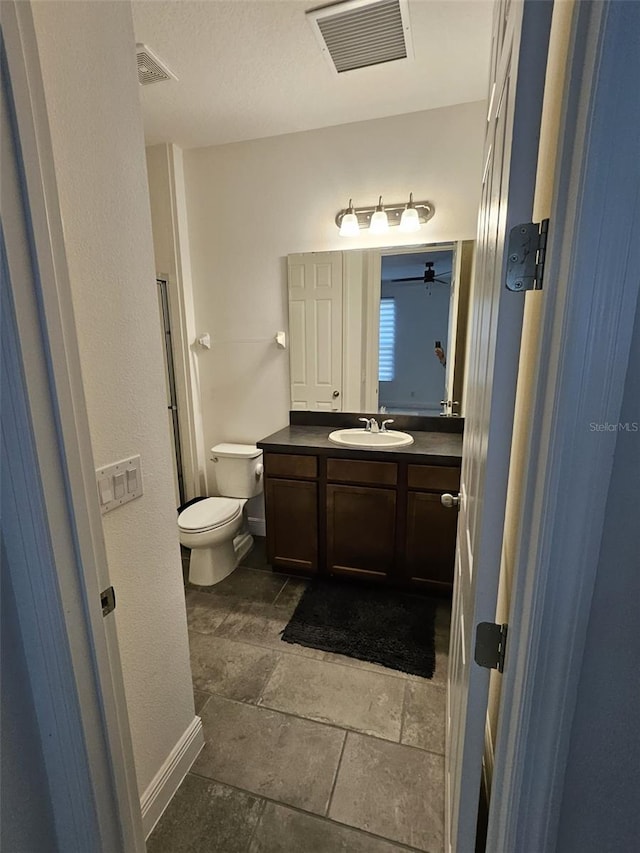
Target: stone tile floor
column 306, row 751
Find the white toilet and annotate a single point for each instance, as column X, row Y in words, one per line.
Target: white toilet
column 215, row 528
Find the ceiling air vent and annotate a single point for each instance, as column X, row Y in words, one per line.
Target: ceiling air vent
column 359, row 33
column 150, row 68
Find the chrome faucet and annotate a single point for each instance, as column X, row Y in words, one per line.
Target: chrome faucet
column 383, row 428
column 372, row 425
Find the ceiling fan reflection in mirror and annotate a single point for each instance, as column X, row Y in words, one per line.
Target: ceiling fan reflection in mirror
column 428, row 276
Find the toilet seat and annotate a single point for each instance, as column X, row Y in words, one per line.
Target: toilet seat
column 209, row 514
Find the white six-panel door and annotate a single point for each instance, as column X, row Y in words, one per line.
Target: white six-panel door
column 520, row 39
column 315, row 330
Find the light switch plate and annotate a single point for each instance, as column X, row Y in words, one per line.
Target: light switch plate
column 119, row 483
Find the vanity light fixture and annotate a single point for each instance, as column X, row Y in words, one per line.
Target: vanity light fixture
column 349, row 226
column 410, row 216
column 379, row 221
column 410, row 221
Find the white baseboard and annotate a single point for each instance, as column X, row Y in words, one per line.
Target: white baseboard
column 257, row 526
column 167, row 780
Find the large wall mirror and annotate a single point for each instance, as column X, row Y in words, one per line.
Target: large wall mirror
column 379, row 329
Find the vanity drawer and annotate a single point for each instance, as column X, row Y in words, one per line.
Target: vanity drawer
column 289, row 465
column 360, row 471
column 435, row 477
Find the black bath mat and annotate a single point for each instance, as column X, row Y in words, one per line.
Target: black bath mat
column 391, row 628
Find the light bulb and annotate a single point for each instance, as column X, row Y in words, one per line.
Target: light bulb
column 349, row 225
column 379, row 223
column 410, row 221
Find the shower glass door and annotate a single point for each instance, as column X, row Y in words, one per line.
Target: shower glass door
column 172, row 397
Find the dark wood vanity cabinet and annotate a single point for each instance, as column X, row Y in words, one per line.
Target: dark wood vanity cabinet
column 361, row 518
column 361, row 531
column 431, row 528
column 377, row 520
column 292, row 512
column 430, row 542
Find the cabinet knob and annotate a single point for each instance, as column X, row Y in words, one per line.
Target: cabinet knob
column 450, row 501
column 336, row 394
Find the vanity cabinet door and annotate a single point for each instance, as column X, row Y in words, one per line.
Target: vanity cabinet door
column 361, row 531
column 292, row 524
column 430, row 543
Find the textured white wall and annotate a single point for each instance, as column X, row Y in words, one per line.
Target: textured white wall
column 87, row 52
column 250, row 204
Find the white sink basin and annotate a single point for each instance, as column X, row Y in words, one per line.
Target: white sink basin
column 363, row 438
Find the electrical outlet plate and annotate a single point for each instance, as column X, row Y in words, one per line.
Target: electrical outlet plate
column 119, row 483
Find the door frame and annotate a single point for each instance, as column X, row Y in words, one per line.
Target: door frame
column 81, row 645
column 521, row 32
column 583, row 353
column 186, row 346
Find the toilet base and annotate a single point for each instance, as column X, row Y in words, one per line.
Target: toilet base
column 209, row 566
column 242, row 544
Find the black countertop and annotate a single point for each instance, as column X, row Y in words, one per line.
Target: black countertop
column 437, row 448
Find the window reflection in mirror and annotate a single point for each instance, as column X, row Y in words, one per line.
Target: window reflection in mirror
column 364, row 324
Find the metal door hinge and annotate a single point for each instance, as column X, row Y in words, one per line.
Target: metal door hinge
column 491, row 644
column 108, row 600
column 526, row 255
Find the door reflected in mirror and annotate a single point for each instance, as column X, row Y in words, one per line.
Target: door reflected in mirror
column 379, row 329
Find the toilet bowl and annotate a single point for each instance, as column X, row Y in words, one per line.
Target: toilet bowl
column 209, row 528
column 215, row 529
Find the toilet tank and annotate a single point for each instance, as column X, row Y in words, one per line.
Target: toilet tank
column 238, row 469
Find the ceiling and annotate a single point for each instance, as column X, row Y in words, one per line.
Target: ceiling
column 248, row 69
column 413, row 264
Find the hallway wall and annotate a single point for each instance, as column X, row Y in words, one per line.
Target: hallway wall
column 87, row 54
column 27, row 819
column 602, row 780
